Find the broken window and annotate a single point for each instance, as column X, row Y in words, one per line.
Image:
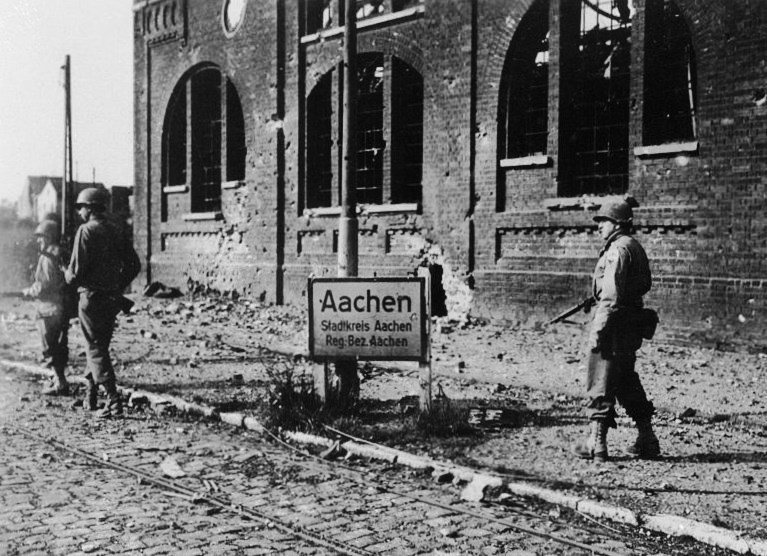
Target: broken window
column 174, row 141
column 318, row 15
column 370, row 135
column 370, row 8
column 235, row 135
column 324, row 14
column 373, row 8
column 594, row 113
column 407, row 133
column 195, row 135
column 669, row 76
column 206, row 140
column 383, row 82
column 319, row 143
column 523, row 109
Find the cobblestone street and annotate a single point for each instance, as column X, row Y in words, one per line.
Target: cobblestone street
column 58, row 501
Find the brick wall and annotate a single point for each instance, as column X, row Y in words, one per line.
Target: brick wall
column 504, row 232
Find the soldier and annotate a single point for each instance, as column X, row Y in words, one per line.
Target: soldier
column 103, row 264
column 52, row 320
column 621, row 278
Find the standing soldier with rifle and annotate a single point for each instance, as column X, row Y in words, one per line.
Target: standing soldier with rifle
column 49, row 291
column 621, row 278
column 103, row 264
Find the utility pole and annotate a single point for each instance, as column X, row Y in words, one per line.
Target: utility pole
column 67, row 185
column 348, row 381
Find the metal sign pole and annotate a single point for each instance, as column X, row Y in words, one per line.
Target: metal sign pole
column 346, row 371
column 424, row 367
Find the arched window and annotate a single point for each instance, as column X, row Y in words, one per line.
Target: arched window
column 407, row 133
column 174, row 140
column 203, row 141
column 594, row 109
column 319, row 144
column 389, row 153
column 205, row 119
column 235, row 135
column 370, row 128
column 523, row 107
column 669, row 76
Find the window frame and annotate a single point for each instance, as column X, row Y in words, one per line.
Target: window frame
column 206, row 169
column 388, row 189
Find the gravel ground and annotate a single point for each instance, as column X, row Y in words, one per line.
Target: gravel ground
column 711, row 420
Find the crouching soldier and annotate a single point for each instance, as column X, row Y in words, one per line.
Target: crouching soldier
column 49, row 291
column 103, row 264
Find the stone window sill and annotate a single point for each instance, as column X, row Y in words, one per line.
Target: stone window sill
column 172, row 189
column 235, row 184
column 667, row 149
column 201, row 216
column 398, row 208
column 532, row 161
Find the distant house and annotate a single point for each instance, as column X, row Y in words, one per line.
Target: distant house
column 41, row 196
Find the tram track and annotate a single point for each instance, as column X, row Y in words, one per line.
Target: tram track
column 510, row 521
column 545, row 516
column 197, row 496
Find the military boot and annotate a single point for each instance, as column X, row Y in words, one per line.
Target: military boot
column 114, row 406
column 60, row 387
column 595, row 445
column 646, row 445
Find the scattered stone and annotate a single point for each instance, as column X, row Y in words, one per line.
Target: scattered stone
column 687, row 413
column 171, row 468
column 476, row 488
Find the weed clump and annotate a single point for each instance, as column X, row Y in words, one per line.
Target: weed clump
column 446, row 418
column 291, row 401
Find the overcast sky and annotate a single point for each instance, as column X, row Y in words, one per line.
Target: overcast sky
column 35, row 37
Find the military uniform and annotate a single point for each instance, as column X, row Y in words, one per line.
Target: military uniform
column 103, row 264
column 621, row 278
column 52, row 321
column 95, row 270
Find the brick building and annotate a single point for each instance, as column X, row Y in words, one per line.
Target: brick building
column 489, row 131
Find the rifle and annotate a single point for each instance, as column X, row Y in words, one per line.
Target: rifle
column 584, row 306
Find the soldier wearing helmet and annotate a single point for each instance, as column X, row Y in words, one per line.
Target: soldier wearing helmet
column 102, row 265
column 52, row 320
column 621, row 279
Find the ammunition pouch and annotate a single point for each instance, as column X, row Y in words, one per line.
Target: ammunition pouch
column 645, row 323
column 651, row 321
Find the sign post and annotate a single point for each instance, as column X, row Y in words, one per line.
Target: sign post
column 424, row 366
column 386, row 319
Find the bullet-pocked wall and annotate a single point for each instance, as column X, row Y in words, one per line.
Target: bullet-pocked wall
column 206, row 147
column 658, row 99
column 489, row 131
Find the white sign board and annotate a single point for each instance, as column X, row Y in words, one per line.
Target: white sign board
column 367, row 318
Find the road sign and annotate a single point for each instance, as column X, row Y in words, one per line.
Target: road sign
column 367, row 318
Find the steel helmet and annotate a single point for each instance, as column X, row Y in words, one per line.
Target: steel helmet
column 616, row 211
column 48, row 229
column 92, row 196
